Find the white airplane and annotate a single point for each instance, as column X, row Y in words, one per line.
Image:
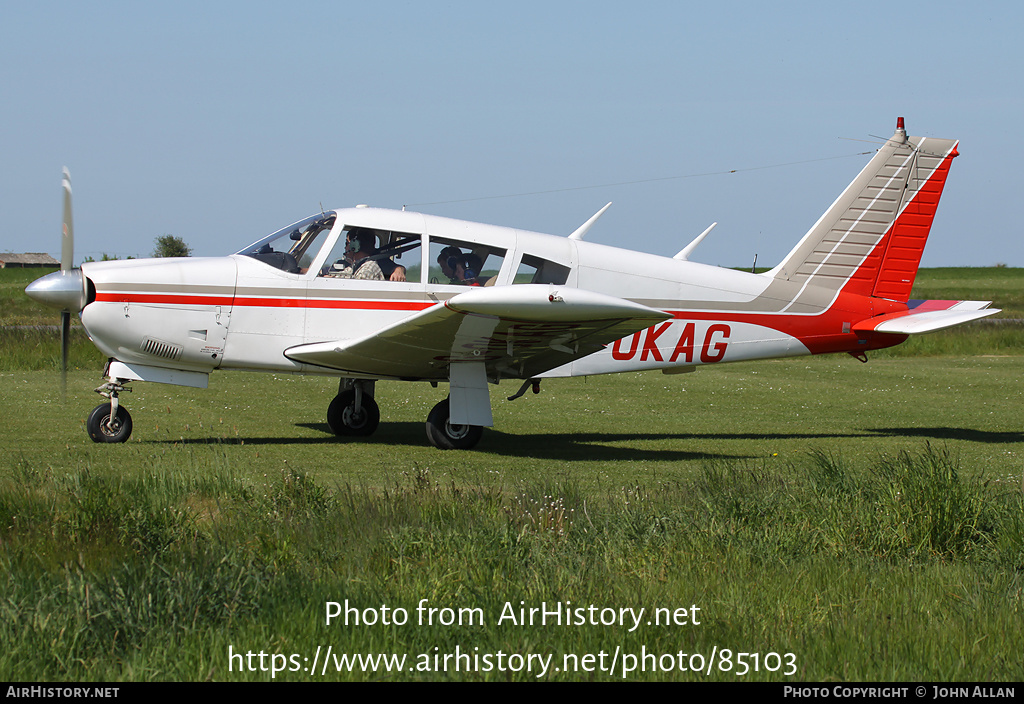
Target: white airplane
column 366, row 294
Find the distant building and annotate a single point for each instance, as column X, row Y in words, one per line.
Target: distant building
column 29, row 259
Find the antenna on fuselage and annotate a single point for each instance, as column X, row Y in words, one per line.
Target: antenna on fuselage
column 684, row 253
column 582, row 229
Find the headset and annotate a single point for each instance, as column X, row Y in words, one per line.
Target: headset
column 354, row 240
column 464, row 260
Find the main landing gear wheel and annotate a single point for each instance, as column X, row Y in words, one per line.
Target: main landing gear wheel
column 345, row 420
column 445, row 436
column 101, row 429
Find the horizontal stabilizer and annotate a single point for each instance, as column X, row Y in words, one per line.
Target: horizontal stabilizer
column 517, row 331
column 927, row 316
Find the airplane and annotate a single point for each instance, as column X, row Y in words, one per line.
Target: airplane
column 475, row 304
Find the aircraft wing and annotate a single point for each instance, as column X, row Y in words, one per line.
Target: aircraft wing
column 517, row 331
column 926, row 316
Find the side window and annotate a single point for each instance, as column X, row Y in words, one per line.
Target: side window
column 362, row 253
column 534, row 270
column 462, row 263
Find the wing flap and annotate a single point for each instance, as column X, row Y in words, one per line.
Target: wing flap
column 927, row 316
column 517, row 331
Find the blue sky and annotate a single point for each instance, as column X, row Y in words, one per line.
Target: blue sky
column 220, row 122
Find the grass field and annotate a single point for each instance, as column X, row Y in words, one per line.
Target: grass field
column 849, row 522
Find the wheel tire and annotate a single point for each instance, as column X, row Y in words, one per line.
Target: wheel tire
column 96, row 424
column 343, row 420
column 445, row 436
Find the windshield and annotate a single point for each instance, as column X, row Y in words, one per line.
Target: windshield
column 292, row 248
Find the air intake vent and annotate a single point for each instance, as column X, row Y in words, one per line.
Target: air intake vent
column 158, row 348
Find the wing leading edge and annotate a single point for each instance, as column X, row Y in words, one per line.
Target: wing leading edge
column 516, row 331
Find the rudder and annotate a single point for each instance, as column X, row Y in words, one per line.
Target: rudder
column 901, row 250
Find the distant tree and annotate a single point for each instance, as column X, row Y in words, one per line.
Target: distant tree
column 171, row 246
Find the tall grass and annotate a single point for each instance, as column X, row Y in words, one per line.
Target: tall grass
column 151, row 575
column 917, row 507
column 16, row 308
column 38, row 349
column 148, row 561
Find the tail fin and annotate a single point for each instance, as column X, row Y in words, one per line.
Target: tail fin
column 870, row 241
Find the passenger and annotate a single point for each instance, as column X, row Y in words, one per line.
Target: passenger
column 467, row 270
column 446, row 260
column 359, row 247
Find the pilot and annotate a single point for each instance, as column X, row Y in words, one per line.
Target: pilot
column 357, row 264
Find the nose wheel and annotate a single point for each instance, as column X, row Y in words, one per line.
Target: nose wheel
column 104, row 427
column 110, row 422
column 443, row 435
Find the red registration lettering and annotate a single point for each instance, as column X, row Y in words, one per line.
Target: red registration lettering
column 706, row 355
column 617, row 352
column 651, row 342
column 685, row 344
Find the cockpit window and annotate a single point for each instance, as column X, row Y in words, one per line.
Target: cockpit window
column 293, row 248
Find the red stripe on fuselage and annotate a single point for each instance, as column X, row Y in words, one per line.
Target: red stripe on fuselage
column 164, row 298
column 325, row 303
column 259, row 302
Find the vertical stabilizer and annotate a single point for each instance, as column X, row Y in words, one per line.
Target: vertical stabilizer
column 870, row 241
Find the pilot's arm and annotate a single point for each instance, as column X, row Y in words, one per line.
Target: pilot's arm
column 398, row 274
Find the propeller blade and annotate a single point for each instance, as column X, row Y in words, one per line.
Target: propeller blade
column 65, row 343
column 67, row 240
column 67, row 262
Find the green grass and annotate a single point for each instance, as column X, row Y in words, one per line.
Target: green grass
column 15, row 307
column 856, row 582
column 865, row 518
column 38, row 348
column 1004, row 286
column 868, row 519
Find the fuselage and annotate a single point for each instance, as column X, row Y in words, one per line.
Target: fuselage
column 244, row 311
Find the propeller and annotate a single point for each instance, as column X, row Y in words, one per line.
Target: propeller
column 65, row 289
